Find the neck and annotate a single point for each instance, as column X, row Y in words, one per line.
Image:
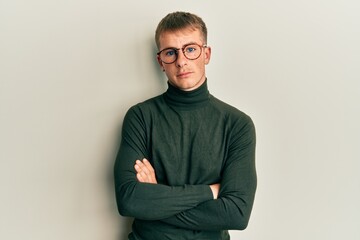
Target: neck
column 187, row 99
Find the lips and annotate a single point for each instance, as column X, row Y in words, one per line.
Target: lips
column 183, row 74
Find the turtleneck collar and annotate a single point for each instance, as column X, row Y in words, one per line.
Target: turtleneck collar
column 187, row 100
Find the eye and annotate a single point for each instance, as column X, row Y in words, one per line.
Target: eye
column 170, row 52
column 190, row 49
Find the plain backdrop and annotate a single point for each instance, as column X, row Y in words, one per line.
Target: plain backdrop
column 69, row 70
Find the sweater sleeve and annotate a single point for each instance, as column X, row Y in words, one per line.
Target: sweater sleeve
column 142, row 200
column 238, row 185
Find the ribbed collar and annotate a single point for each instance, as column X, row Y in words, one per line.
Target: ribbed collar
column 187, row 100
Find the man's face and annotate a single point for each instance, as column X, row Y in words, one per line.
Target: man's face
column 185, row 74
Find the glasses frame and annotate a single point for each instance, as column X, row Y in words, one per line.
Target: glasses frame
column 183, row 51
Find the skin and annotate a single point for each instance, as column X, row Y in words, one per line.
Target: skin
column 184, row 74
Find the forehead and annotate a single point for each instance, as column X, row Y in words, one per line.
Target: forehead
column 179, row 38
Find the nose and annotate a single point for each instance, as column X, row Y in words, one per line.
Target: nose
column 181, row 59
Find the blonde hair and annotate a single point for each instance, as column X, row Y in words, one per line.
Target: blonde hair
column 180, row 20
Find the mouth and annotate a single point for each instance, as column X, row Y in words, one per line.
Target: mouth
column 183, row 74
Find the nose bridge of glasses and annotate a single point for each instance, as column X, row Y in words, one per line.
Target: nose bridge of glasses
column 182, row 51
column 177, row 54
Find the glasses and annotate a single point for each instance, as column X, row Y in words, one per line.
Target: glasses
column 190, row 51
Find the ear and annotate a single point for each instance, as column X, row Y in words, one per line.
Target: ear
column 160, row 62
column 207, row 53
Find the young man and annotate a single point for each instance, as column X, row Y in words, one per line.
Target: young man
column 186, row 164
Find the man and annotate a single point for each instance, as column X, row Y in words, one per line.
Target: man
column 186, row 163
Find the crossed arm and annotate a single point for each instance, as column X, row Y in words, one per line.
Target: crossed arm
column 231, row 210
column 190, row 206
column 145, row 173
column 195, row 207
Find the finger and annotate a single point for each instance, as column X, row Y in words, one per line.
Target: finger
column 141, row 175
column 140, row 178
column 144, row 176
column 140, row 167
column 146, row 173
column 144, row 168
column 148, row 165
column 137, row 168
column 143, row 172
column 151, row 170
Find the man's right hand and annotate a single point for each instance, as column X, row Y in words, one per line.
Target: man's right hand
column 145, row 172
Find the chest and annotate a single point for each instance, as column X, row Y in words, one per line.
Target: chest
column 188, row 147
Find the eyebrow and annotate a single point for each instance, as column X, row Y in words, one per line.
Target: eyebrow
column 189, row 43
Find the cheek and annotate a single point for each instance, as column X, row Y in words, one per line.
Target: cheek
column 168, row 73
column 201, row 64
column 169, row 70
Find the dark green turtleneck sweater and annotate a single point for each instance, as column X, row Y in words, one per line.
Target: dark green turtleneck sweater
column 192, row 140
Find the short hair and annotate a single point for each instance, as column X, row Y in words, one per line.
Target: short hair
column 180, row 20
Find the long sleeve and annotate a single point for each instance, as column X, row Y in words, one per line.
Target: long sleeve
column 148, row 201
column 238, row 185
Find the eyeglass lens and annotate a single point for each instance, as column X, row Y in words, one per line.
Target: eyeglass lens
column 170, row 55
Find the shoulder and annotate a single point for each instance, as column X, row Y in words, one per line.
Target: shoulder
column 238, row 124
column 146, row 105
column 230, row 112
column 145, row 109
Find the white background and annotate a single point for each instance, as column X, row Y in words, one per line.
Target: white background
column 69, row 70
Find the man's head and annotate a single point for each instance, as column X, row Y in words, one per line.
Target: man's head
column 181, row 39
